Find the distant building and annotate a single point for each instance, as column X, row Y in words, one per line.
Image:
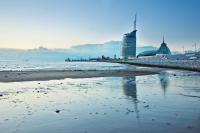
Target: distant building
column 129, row 43
column 163, row 50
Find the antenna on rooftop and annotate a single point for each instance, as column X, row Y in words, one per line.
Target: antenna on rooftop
column 183, row 49
column 195, row 47
column 163, row 39
column 135, row 21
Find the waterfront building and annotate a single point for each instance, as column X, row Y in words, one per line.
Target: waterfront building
column 163, row 50
column 129, row 43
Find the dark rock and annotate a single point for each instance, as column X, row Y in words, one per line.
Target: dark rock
column 168, row 123
column 129, row 110
column 57, row 111
column 189, row 127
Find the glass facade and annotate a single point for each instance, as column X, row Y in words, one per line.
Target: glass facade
column 129, row 45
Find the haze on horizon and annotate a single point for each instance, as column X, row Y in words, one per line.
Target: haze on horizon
column 28, row 24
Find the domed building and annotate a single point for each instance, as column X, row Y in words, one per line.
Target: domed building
column 164, row 50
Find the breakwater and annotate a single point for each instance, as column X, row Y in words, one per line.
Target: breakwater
column 193, row 65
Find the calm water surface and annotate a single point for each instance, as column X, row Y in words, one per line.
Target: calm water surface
column 50, row 65
column 167, row 102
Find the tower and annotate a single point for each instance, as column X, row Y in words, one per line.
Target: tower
column 135, row 23
column 163, row 48
column 163, row 39
column 129, row 43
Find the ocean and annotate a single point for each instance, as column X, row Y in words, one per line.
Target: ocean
column 60, row 65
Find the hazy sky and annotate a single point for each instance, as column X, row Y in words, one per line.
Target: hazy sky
column 63, row 23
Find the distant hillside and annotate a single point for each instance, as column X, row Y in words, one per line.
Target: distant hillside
column 94, row 50
column 108, row 49
column 80, row 51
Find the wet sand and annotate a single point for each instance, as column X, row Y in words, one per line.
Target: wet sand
column 17, row 76
column 159, row 103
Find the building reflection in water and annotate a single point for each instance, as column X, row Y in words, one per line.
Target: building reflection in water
column 164, row 81
column 130, row 90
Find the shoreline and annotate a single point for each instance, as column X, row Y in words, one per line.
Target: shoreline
column 168, row 64
column 188, row 65
column 161, row 66
column 43, row 75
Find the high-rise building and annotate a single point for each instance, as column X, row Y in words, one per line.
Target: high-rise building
column 129, row 43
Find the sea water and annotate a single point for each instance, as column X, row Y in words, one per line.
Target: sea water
column 59, row 65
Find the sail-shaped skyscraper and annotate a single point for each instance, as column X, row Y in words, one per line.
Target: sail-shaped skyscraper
column 129, row 43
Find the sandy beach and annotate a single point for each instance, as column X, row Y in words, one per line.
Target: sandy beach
column 164, row 102
column 17, row 76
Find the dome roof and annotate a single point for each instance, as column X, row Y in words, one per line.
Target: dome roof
column 148, row 53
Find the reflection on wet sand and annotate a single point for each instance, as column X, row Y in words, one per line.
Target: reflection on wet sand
column 130, row 90
column 164, row 81
column 118, row 104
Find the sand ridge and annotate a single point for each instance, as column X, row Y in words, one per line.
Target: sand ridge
column 17, row 76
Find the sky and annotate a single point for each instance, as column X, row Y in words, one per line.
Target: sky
column 26, row 24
